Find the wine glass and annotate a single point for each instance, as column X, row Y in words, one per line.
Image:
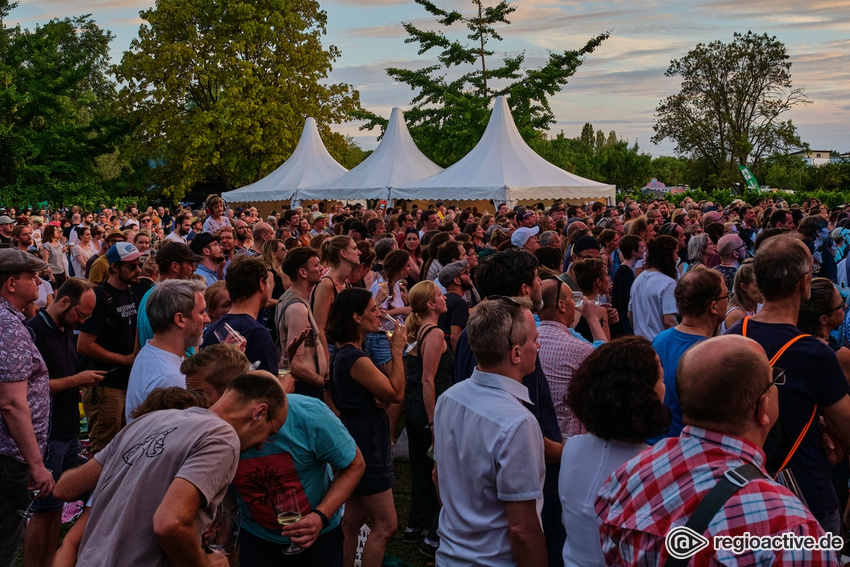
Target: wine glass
column 283, row 365
column 222, row 535
column 28, row 512
column 388, row 324
column 287, row 512
column 578, row 298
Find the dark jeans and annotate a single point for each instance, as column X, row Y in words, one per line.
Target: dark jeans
column 550, row 517
column 424, row 505
column 63, row 455
column 326, row 551
column 14, row 496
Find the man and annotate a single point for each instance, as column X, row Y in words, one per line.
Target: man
column 525, row 218
column 208, row 247
column 98, row 266
column 292, row 219
column 632, row 212
column 311, row 443
column 228, row 245
column 782, row 218
column 159, row 484
column 177, row 313
column 24, row 400
column 557, row 212
column 488, row 449
column 53, row 330
column 82, row 220
column 175, row 261
column 549, row 239
column 261, row 232
column 429, row 220
column 7, row 224
column 319, row 224
column 514, row 273
column 701, row 299
column 182, row 226
column 357, row 230
column 309, row 366
column 22, row 237
column 250, row 286
column 782, row 270
column 584, row 247
column 732, row 252
column 526, row 239
column 730, row 402
column 560, row 352
column 455, row 278
column 107, row 342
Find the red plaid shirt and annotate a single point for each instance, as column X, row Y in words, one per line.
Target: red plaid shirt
column 661, row 487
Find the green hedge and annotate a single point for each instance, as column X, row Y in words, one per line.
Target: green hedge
column 724, row 197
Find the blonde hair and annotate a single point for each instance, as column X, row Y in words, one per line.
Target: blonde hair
column 419, row 296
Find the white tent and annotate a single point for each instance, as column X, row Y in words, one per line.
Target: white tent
column 396, row 161
column 309, row 164
column 503, row 168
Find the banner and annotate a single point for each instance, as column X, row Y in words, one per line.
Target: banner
column 752, row 182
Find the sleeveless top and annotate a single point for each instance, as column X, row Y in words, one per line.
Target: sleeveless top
column 313, row 293
column 443, row 379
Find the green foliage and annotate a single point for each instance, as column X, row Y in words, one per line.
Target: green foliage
column 219, row 89
column 728, row 110
column 448, row 116
column 56, row 112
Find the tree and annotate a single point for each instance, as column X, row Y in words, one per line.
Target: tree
column 219, row 89
column 56, row 114
column 727, row 112
column 448, row 116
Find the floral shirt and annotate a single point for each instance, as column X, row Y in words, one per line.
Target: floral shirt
column 19, row 361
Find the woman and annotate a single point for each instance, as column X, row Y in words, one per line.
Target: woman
column 745, row 296
column 142, row 241
column 617, row 394
column 304, row 232
column 394, row 280
column 822, row 313
column 413, row 248
column 652, row 306
column 476, row 231
column 430, row 372
column 360, row 391
column 700, row 250
column 609, row 240
column 218, row 301
column 273, row 256
column 343, row 256
column 592, row 279
column 96, row 243
column 82, row 251
column 643, row 228
column 53, row 253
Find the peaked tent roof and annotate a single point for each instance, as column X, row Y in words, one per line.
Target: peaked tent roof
column 309, row 164
column 395, row 161
column 502, row 167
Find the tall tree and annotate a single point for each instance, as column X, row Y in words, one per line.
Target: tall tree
column 219, row 89
column 56, row 116
column 448, row 116
column 729, row 108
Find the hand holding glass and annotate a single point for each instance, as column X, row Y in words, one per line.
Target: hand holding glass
column 288, row 512
column 223, row 534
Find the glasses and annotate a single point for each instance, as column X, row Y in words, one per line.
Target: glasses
column 777, row 379
column 727, row 297
column 558, row 288
column 834, row 309
column 81, row 315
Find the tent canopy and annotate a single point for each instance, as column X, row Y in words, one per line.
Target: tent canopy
column 503, row 168
column 309, row 164
column 395, row 161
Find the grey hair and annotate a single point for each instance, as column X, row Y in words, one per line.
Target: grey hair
column 167, row 299
column 547, row 237
column 492, row 329
column 384, row 246
column 697, row 245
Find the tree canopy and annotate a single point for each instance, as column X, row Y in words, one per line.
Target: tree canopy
column 57, row 124
column 219, row 89
column 449, row 114
column 729, row 107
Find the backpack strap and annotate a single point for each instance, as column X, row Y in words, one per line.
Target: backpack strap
column 731, row 482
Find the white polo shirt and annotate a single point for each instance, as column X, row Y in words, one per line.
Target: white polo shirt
column 489, row 450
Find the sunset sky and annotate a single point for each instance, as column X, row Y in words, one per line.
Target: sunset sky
column 617, row 88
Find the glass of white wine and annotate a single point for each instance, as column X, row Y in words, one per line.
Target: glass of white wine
column 288, row 512
column 388, row 323
column 283, row 367
column 222, row 535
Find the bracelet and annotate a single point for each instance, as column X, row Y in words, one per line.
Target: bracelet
column 429, row 425
column 325, row 521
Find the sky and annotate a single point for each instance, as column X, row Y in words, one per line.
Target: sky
column 617, row 87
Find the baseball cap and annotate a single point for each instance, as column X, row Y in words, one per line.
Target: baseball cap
column 523, row 214
column 585, row 243
column 13, row 261
column 522, row 234
column 201, row 241
column 6, row 219
column 317, row 216
column 450, row 272
column 176, row 252
column 122, row 252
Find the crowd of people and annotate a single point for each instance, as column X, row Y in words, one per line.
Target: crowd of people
column 572, row 382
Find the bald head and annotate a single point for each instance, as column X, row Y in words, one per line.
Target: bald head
column 728, row 245
column 710, row 217
column 719, row 382
column 262, row 231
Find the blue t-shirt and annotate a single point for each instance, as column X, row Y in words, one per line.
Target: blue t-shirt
column 670, row 346
column 259, row 345
column 812, row 375
column 311, row 442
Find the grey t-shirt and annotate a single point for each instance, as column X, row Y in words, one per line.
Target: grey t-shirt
column 139, row 466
